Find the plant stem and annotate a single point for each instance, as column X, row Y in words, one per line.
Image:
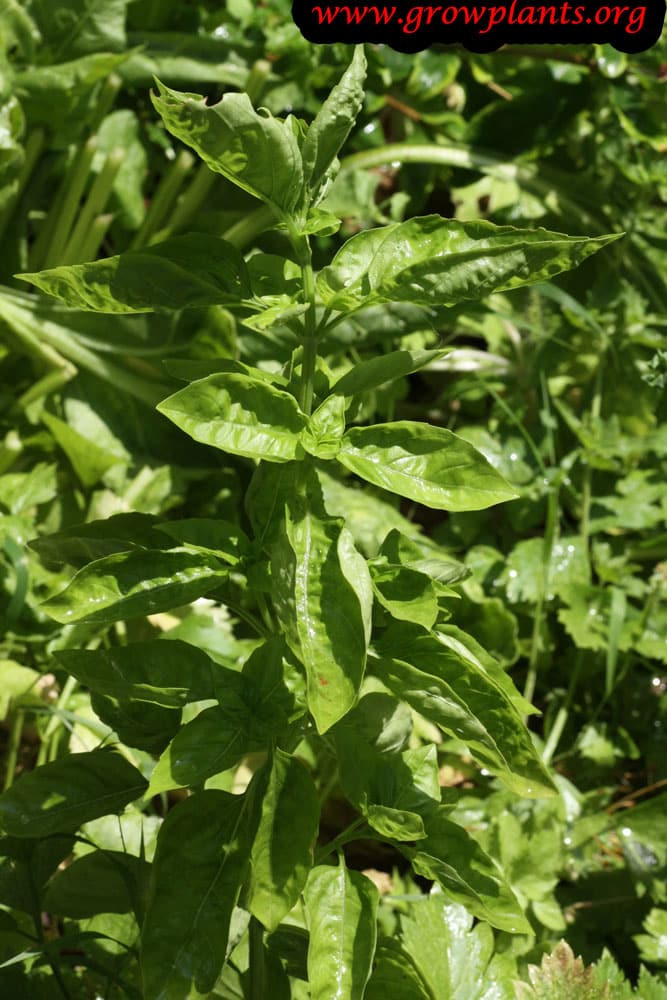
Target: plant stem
column 164, row 197
column 257, row 77
column 94, row 204
column 547, row 549
column 349, row 833
column 51, row 241
column 309, row 358
column 191, row 201
column 243, row 232
column 33, row 148
column 55, row 721
column 13, row 748
column 92, row 241
column 563, row 712
column 256, row 966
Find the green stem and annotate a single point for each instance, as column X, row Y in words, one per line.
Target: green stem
column 563, row 713
column 243, row 232
column 49, row 245
column 55, row 721
column 349, row 833
column 586, row 486
column 191, row 201
column 309, row 358
column 256, row 967
column 164, row 198
column 543, row 596
column 106, row 100
column 92, row 241
column 257, row 77
column 94, row 204
column 13, row 748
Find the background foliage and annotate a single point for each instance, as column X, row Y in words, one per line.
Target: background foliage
column 560, row 385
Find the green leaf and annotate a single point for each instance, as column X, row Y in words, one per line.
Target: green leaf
column 427, row 464
column 433, row 261
column 26, row 864
column 212, row 535
column 324, row 597
column 99, row 882
column 282, row 851
column 451, row 687
column 81, row 25
column 395, row 975
column 134, row 584
column 377, row 371
column 59, row 797
column 89, row 460
column 200, row 864
column 137, row 724
column 406, row 594
column 239, row 414
column 449, row 856
column 254, row 707
column 181, row 273
column 334, row 121
column 653, row 944
column 341, row 908
column 257, row 152
column 325, row 428
column 161, row 673
column 84, row 543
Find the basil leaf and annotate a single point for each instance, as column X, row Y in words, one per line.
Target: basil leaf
column 257, row 152
column 239, row 414
column 134, row 584
column 322, row 587
column 282, row 851
column 432, row 261
column 427, row 464
column 99, row 882
column 341, row 908
column 458, row 694
column 333, row 122
column 375, row 372
column 181, row 273
column 60, row 797
column 451, row 857
column 200, row 864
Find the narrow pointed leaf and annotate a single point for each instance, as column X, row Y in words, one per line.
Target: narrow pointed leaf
column 257, row 152
column 454, row 690
column 427, row 464
column 133, row 584
column 239, row 414
column 324, row 595
column 451, row 857
column 199, row 866
column 84, row 543
column 376, row 371
column 99, row 882
column 334, row 121
column 181, row 273
column 59, row 797
column 432, row 261
column 162, row 673
column 341, row 909
column 282, row 851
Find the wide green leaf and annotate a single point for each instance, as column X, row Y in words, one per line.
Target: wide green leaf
column 451, row 687
column 199, row 866
column 324, row 596
column 239, row 414
column 334, row 121
column 282, row 851
column 395, row 975
column 59, row 797
column 257, row 152
column 98, row 882
column 341, row 908
column 254, row 708
column 184, row 272
column 25, row 865
column 406, row 594
column 430, row 465
column 433, row 261
column 133, row 584
column 451, row 857
column 162, row 673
